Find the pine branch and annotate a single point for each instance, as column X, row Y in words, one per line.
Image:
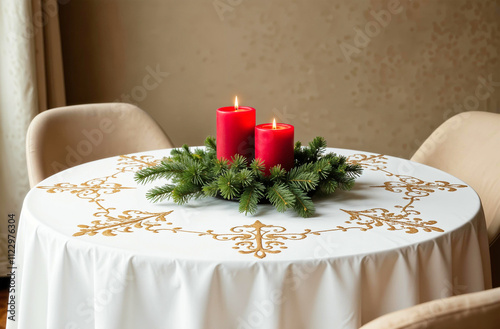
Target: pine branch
column 257, row 167
column 346, row 183
column 301, row 178
column 185, row 149
column 165, row 169
column 220, row 166
column 175, row 153
column 317, row 146
column 280, row 197
column 303, row 203
column 211, row 144
column 199, row 155
column 160, row 193
column 251, row 197
column 238, row 162
column 246, row 177
column 229, row 186
column 353, row 170
column 211, row 189
column 195, row 173
column 328, row 186
column 182, row 193
column 149, row 174
column 323, row 168
column 277, row 174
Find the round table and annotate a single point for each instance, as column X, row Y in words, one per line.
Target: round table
column 92, row 252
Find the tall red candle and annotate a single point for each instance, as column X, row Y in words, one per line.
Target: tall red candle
column 274, row 145
column 235, row 131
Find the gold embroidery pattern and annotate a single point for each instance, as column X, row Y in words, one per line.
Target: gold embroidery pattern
column 93, row 190
column 257, row 239
column 370, row 162
column 125, row 223
column 133, row 163
column 380, row 217
column 414, row 189
column 90, row 190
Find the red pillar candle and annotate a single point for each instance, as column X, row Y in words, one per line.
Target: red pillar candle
column 274, row 145
column 235, row 131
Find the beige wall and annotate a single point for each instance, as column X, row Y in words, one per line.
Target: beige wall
column 285, row 58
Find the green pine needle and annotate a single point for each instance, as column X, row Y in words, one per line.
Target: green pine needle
column 160, row 193
column 246, row 177
column 303, row 203
column 211, row 189
column 195, row 173
column 277, row 174
column 328, row 186
column 229, row 185
column 220, row 166
column 166, row 169
column 181, row 194
column 322, row 168
column 299, row 177
column 318, row 146
column 280, row 197
column 250, row 198
column 238, row 162
column 257, row 167
column 210, row 144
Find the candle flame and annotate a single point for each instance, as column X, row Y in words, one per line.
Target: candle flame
column 236, row 103
column 274, row 123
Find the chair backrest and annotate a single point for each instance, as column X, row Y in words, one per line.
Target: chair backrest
column 468, row 147
column 480, row 310
column 67, row 136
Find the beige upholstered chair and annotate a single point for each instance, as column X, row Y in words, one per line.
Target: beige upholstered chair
column 67, row 136
column 468, row 147
column 480, row 310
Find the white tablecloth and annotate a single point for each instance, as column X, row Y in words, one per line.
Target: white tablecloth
column 92, row 252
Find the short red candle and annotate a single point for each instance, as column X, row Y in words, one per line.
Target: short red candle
column 235, row 132
column 274, row 145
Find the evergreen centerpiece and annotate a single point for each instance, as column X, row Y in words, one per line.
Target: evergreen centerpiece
column 198, row 173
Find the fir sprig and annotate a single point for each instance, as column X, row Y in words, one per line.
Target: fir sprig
column 250, row 198
column 198, row 173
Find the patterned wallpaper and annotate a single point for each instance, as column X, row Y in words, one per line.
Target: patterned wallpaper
column 373, row 75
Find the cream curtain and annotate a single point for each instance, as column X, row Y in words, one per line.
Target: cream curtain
column 31, row 81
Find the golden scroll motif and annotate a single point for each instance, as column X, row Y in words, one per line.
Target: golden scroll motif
column 258, row 239
column 125, row 223
column 413, row 188
column 93, row 190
